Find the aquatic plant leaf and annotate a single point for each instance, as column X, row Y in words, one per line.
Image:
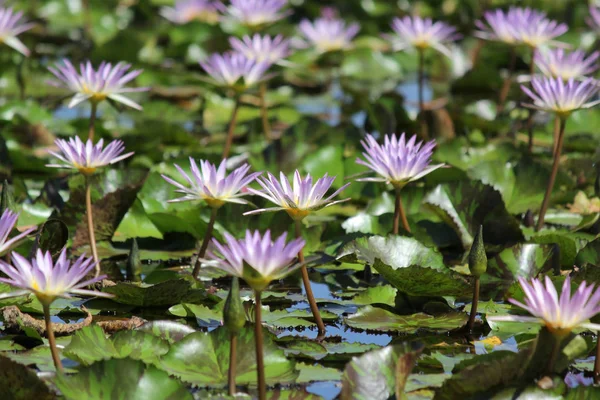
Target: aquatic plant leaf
column 90, row 344
column 378, row 319
column 18, row 382
column 379, row 374
column 408, row 265
column 123, row 379
column 162, row 294
column 202, row 359
column 170, row 331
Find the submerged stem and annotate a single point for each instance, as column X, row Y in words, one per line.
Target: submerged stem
column 306, row 281
column 474, row 303
column 231, row 129
column 90, row 224
column 92, row 126
column 555, row 165
column 232, row 363
column 258, row 334
column 51, row 339
column 205, row 242
column 264, row 111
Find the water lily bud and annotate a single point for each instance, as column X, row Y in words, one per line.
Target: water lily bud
column 234, row 316
column 477, row 257
column 7, row 201
column 134, row 263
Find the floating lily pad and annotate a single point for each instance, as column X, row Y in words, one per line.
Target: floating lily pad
column 143, row 295
column 203, row 359
column 378, row 319
column 17, row 382
column 121, row 379
column 379, row 374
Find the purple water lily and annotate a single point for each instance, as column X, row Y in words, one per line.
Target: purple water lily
column 11, row 26
column 422, row 33
column 328, row 33
column 558, row 63
column 397, row 161
column 561, row 314
column 594, row 18
column 256, row 259
column 561, row 97
column 186, row 11
column 256, row 13
column 262, row 48
column 8, row 220
column 234, row 70
column 96, row 85
column 212, row 184
column 48, row 280
column 87, row 157
column 299, row 199
column 521, row 26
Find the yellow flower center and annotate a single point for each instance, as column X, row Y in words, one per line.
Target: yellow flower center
column 297, row 214
column 85, row 170
column 214, row 203
column 97, row 97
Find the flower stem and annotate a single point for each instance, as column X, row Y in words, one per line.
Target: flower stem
column 90, row 224
column 421, row 83
column 264, row 112
column 87, row 15
column 507, row 82
column 232, row 363
column 232, row 124
column 474, row 303
column 92, row 127
column 258, row 336
column 51, row 340
column 20, row 78
column 205, row 241
column 597, row 360
column 555, row 165
column 556, row 134
column 309, row 293
column 399, row 214
column 554, row 355
column 531, row 112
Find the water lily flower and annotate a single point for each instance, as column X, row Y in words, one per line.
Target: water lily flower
column 534, row 29
column 212, row 184
column 8, row 221
column 257, row 13
column 96, row 85
column 328, row 33
column 256, row 259
column 560, row 314
column 298, row 200
column 566, row 65
column 12, row 26
column 234, row 70
column 560, row 97
column 397, row 161
column 49, row 280
column 186, row 11
column 500, row 25
column 87, row 157
column 422, row 33
column 262, row 48
column 594, row 18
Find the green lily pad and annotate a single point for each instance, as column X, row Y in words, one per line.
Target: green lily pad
column 522, row 260
column 143, row 295
column 203, row 359
column 170, row 331
column 379, row 374
column 90, row 345
column 408, row 265
column 21, row 383
column 378, row 319
column 124, row 379
column 467, row 205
